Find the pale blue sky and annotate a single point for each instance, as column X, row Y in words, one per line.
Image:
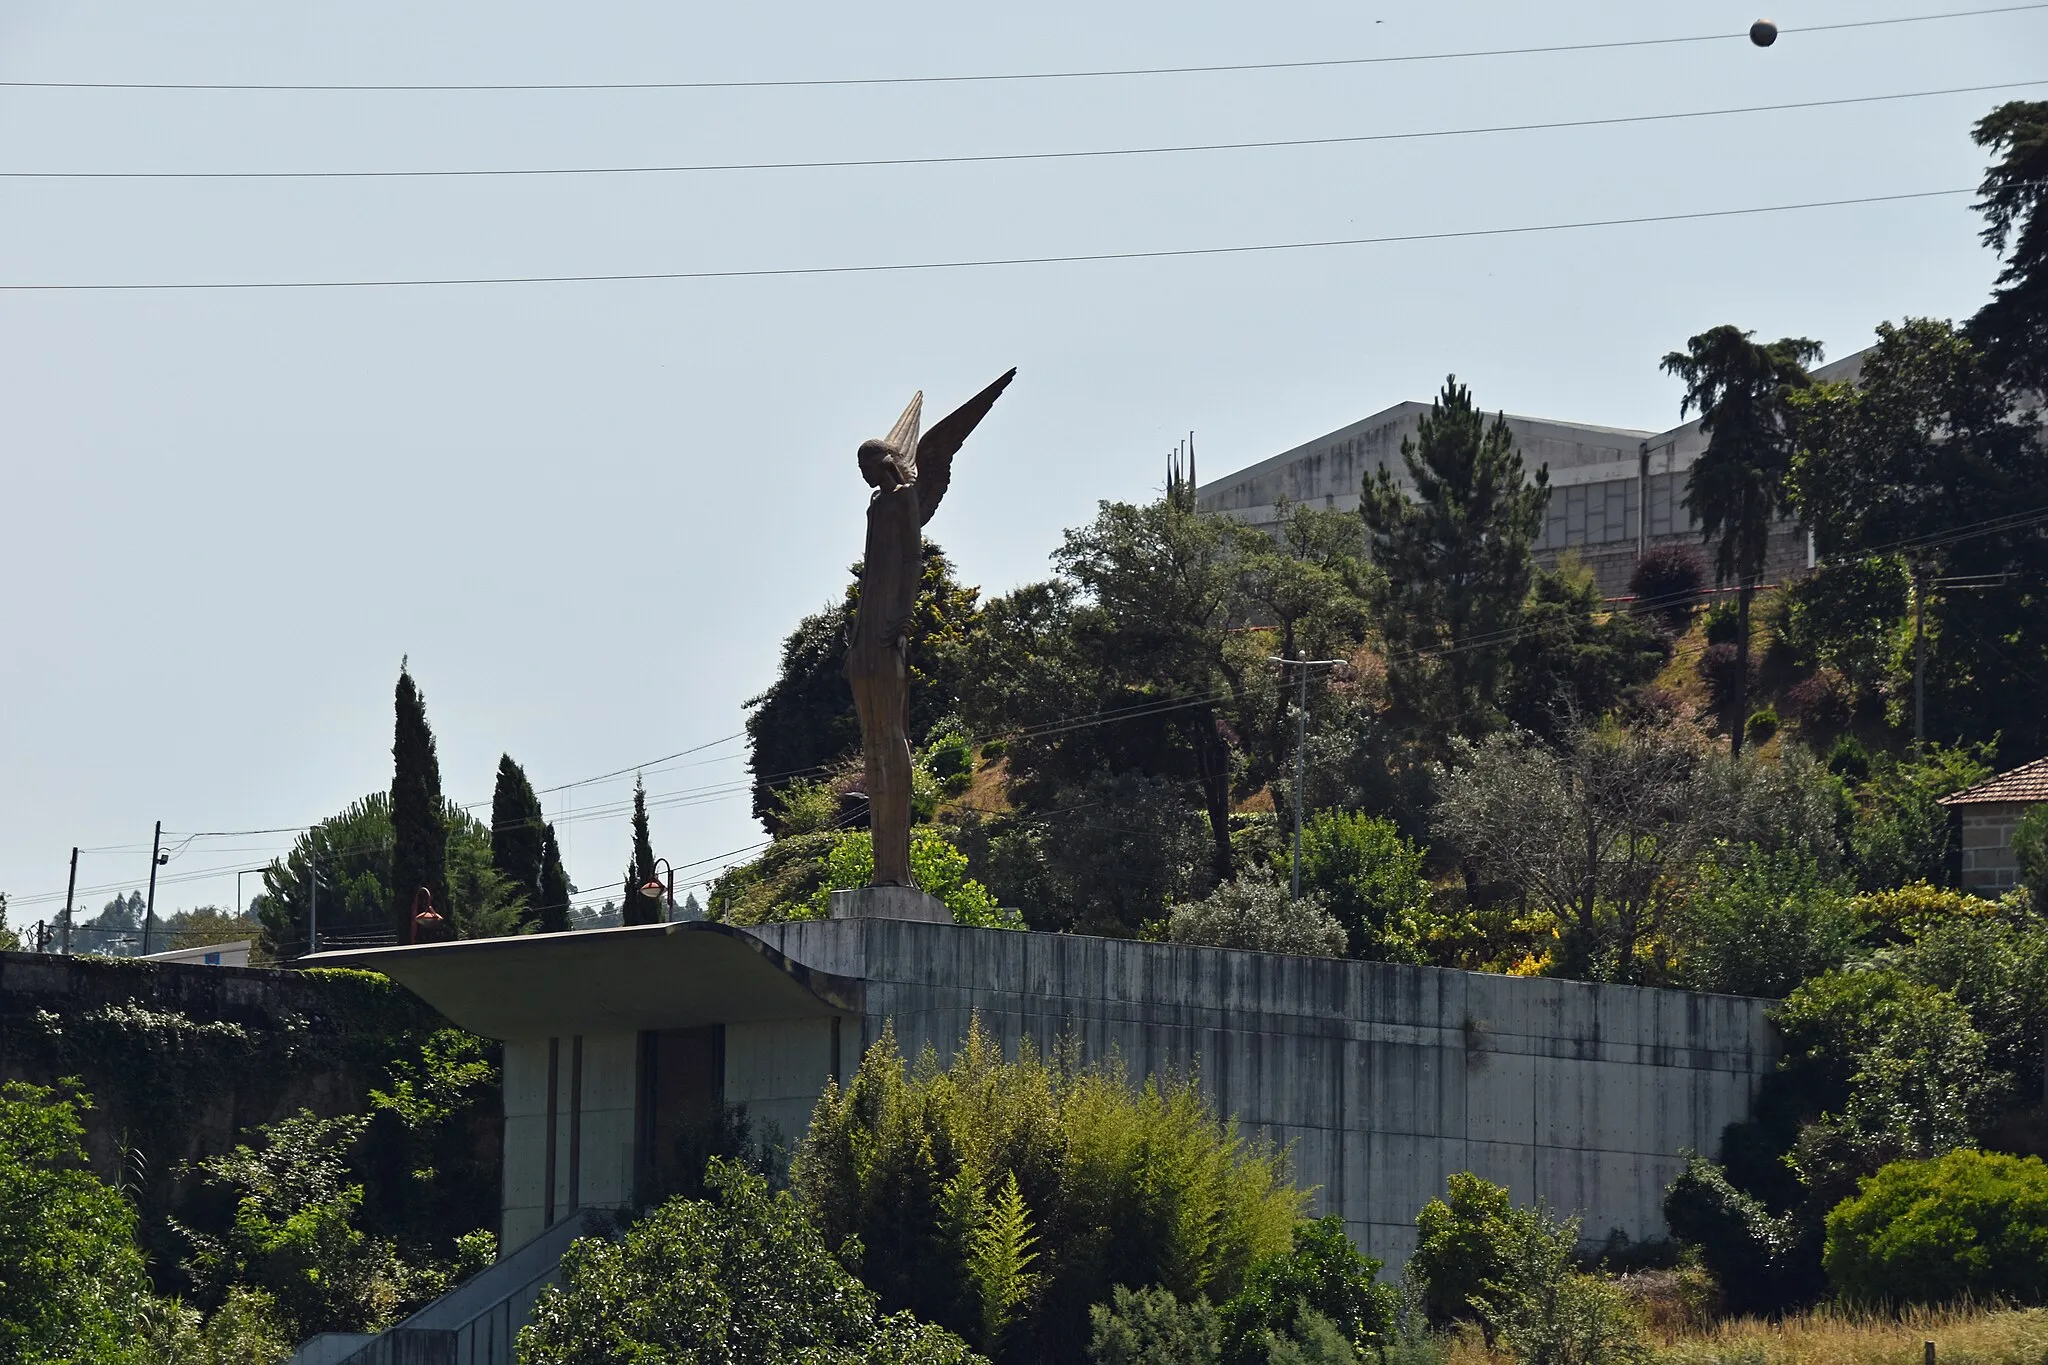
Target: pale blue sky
column 590, row 512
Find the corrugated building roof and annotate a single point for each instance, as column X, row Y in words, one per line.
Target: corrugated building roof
column 2028, row 782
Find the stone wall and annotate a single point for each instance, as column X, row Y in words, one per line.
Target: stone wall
column 1990, row 868
column 1384, row 1078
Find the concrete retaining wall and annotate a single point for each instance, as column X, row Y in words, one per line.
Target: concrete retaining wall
column 1384, row 1078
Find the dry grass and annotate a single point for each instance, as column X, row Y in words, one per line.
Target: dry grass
column 1833, row 1336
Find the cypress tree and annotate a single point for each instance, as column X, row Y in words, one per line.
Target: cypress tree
column 639, row 909
column 518, row 833
column 419, row 833
column 552, row 908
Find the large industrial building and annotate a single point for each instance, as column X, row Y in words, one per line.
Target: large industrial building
column 1603, row 481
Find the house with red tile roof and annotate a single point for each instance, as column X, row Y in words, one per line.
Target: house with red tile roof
column 1990, row 812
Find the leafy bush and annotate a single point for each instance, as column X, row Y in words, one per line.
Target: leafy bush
column 1461, row 1256
column 244, row 1330
column 1724, row 623
column 1969, row 1224
column 1904, row 913
column 1152, row 1327
column 1901, row 830
column 1762, row 724
column 1324, row 1276
column 1720, row 665
column 742, row 1279
column 72, row 1287
column 1847, row 615
column 1996, row 966
column 938, row 868
column 1666, row 584
column 1898, row 1063
column 1764, row 925
column 1749, row 1250
column 794, row 879
column 1371, row 880
column 1256, row 912
column 1542, row 1311
column 2030, row 847
column 1117, row 1186
column 295, row 1233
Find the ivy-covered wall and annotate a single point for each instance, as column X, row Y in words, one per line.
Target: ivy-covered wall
column 182, row 1060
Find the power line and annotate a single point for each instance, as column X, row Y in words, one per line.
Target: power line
column 1011, row 157
column 989, row 262
column 1000, row 76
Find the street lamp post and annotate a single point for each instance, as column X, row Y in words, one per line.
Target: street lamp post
column 655, row 890
column 1301, row 667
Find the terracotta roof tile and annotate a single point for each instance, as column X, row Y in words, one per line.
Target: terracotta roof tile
column 2028, row 782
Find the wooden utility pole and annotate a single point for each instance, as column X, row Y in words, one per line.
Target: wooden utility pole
column 149, row 909
column 70, row 891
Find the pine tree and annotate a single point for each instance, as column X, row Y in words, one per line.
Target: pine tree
column 1456, row 552
column 419, row 845
column 1738, row 486
column 638, row 908
column 518, row 834
column 552, row 907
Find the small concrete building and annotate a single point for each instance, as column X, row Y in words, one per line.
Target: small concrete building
column 234, row 954
column 1616, row 491
column 1990, row 812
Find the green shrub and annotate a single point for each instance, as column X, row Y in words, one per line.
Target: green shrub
column 2030, row 847
column 741, row 1279
column 1256, row 912
column 1748, row 1249
column 295, row 1232
column 1370, row 878
column 1764, row 924
column 1323, row 1282
column 1762, row 724
column 1461, row 1245
column 1542, row 1311
column 1152, row 1327
column 1118, row 1186
column 1968, row 1224
column 1906, row 912
column 72, row 1288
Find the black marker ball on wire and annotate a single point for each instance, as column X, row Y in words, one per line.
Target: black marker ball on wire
column 1763, row 33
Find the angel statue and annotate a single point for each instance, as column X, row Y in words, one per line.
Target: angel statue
column 909, row 474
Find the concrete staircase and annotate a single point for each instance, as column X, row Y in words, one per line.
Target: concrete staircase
column 473, row 1324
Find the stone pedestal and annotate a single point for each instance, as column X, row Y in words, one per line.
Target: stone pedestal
column 889, row 902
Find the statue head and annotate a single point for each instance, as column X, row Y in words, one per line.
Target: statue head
column 892, row 461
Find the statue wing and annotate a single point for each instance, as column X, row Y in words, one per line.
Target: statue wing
column 936, row 447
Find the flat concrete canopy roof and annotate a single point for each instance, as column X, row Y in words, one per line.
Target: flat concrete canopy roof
column 647, row 976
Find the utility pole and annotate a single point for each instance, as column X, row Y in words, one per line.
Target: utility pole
column 70, row 891
column 156, row 846
column 1301, row 667
column 1919, row 656
column 312, row 900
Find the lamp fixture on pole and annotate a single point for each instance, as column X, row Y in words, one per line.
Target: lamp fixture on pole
column 654, row 889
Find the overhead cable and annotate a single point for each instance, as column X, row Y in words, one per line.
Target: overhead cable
column 988, row 158
column 1001, row 76
column 772, row 272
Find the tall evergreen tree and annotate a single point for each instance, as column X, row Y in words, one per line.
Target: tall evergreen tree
column 419, row 850
column 2013, row 327
column 1455, row 549
column 552, row 908
column 637, row 908
column 1739, row 484
column 518, row 833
